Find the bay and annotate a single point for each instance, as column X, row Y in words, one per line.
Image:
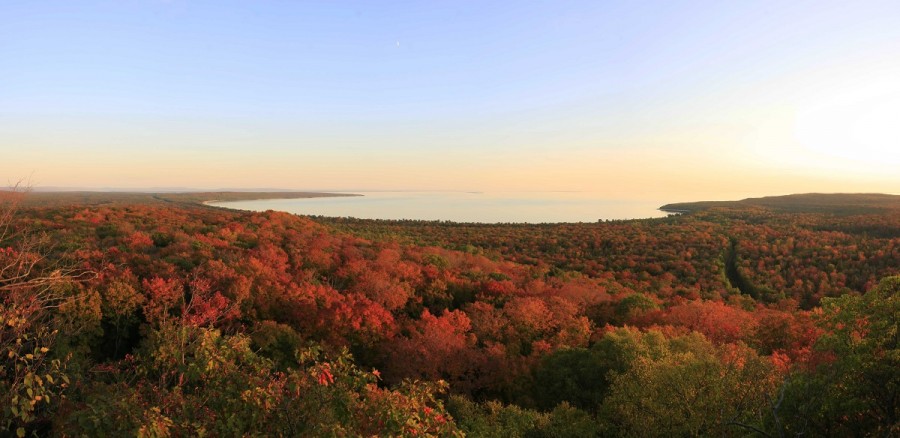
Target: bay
column 483, row 207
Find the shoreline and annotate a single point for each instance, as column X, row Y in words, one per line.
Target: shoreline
column 273, row 196
column 422, row 207
column 94, row 198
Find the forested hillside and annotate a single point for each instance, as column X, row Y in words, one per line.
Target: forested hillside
column 829, row 203
column 169, row 318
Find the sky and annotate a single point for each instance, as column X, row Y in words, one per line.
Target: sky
column 665, row 100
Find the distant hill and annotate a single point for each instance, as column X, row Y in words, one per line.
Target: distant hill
column 833, row 203
column 91, row 198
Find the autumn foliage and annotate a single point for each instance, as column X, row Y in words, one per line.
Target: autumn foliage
column 204, row 321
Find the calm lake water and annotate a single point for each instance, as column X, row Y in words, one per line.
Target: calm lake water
column 486, row 207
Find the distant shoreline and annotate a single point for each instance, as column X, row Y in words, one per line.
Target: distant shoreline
column 673, row 210
column 92, row 198
column 273, row 196
column 309, row 195
column 831, row 203
column 463, row 207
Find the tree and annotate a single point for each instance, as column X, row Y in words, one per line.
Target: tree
column 31, row 377
column 633, row 306
column 854, row 389
column 720, row 323
column 687, row 386
column 217, row 385
column 581, row 376
column 438, row 348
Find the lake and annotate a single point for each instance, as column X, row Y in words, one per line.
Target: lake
column 485, row 207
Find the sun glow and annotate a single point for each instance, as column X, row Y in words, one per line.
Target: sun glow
column 863, row 127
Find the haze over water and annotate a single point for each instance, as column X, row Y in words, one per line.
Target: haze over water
column 486, row 207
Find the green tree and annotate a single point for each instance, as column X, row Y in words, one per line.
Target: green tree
column 690, row 388
column 494, row 419
column 854, row 388
column 634, row 305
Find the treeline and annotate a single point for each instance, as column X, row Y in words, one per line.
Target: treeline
column 782, row 256
column 166, row 320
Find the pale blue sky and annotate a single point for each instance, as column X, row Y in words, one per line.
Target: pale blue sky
column 657, row 98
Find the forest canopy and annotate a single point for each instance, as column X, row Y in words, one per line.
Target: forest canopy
column 159, row 316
